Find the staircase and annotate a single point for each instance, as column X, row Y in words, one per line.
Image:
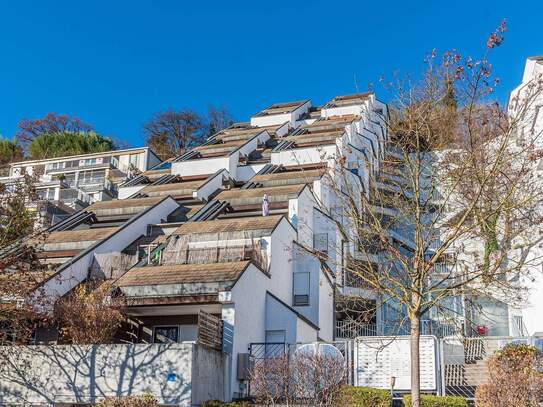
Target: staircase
column 463, row 377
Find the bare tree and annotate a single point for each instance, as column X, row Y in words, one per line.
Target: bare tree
column 453, row 208
column 20, row 268
column 515, row 378
column 51, row 123
column 218, row 119
column 172, row 132
column 298, row 378
column 86, row 316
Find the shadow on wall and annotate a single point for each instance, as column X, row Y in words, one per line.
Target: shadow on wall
column 85, row 373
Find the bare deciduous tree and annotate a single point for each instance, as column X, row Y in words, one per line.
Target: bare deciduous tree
column 51, row 123
column 172, row 132
column 516, row 378
column 452, row 211
column 298, row 378
column 218, row 119
column 20, row 268
column 86, row 315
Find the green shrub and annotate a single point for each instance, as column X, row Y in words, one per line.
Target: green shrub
column 437, row 401
column 363, row 397
column 212, row 403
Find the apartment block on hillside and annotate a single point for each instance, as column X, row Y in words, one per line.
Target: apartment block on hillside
column 68, row 184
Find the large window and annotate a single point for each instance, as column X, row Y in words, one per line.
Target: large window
column 92, row 177
column 301, row 289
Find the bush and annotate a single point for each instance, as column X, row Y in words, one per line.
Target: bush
column 515, row 378
column 437, row 401
column 350, row 396
column 145, row 400
column 217, row 403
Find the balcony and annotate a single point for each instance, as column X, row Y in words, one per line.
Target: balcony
column 78, row 165
column 72, row 195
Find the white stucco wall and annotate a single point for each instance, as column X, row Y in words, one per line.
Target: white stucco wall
column 125, row 192
column 47, row 375
column 200, row 166
column 212, row 184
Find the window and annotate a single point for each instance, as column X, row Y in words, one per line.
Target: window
column 301, row 289
column 320, row 242
column 165, row 334
column 275, row 336
column 92, row 177
column 133, row 160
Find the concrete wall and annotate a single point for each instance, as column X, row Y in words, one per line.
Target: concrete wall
column 53, row 374
column 201, row 166
column 208, row 380
column 125, row 192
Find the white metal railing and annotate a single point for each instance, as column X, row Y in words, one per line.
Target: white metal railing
column 349, row 329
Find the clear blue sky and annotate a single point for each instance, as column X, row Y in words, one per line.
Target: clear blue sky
column 114, row 63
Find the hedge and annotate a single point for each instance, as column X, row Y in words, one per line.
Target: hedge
column 363, row 397
column 437, row 401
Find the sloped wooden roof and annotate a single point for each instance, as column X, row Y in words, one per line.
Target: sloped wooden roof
column 124, row 203
column 79, row 235
column 183, row 274
column 259, row 192
column 229, row 225
column 174, row 186
column 310, row 175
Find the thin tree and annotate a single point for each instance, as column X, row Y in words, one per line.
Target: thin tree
column 453, row 210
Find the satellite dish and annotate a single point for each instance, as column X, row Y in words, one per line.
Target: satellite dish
column 330, row 359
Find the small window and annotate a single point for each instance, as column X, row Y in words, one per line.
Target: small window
column 166, row 334
column 320, row 242
column 275, row 336
column 301, row 289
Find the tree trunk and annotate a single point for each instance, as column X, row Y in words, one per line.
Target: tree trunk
column 415, row 359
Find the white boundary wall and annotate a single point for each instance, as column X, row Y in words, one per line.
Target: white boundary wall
column 179, row 373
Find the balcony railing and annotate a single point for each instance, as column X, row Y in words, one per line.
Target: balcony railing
column 71, row 195
column 215, row 255
column 349, row 329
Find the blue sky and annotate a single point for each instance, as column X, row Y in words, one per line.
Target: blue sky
column 114, row 63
